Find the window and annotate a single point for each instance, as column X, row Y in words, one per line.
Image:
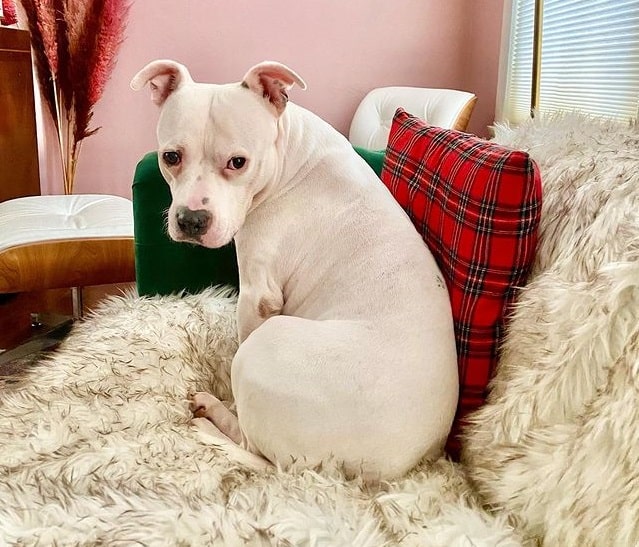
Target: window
column 589, row 58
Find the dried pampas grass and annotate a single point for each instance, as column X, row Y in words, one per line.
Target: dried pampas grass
column 75, row 45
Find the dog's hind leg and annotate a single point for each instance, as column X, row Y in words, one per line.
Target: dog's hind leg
column 205, row 405
column 210, row 434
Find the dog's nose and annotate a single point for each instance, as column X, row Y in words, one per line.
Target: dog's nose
column 193, row 223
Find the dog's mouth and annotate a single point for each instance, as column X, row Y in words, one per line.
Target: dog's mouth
column 181, row 238
column 212, row 239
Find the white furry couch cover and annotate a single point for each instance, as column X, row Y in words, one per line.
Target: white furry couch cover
column 96, row 447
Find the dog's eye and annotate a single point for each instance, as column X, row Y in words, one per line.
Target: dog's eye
column 236, row 162
column 171, row 157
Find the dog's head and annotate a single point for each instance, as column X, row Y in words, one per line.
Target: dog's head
column 218, row 144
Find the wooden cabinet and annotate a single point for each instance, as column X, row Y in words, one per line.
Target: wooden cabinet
column 19, row 173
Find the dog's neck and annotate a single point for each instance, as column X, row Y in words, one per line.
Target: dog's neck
column 292, row 142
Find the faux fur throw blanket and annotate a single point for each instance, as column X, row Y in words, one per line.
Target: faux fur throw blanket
column 96, row 446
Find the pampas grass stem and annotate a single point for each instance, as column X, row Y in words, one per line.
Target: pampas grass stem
column 58, row 124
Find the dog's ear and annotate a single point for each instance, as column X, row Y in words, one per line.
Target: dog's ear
column 272, row 80
column 164, row 77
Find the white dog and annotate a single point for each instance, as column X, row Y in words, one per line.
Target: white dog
column 346, row 335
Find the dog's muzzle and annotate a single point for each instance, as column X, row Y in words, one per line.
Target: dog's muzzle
column 191, row 223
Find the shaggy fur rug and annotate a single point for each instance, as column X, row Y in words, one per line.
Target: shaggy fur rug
column 96, row 449
column 557, row 446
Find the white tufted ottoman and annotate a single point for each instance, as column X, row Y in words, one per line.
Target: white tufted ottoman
column 49, row 242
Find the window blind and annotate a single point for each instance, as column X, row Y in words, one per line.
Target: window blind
column 589, row 58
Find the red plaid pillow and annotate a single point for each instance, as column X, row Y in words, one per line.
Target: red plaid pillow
column 477, row 206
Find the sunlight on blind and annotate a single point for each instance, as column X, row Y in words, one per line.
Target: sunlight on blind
column 589, row 61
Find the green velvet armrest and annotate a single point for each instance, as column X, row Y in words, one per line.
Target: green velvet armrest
column 163, row 266
column 374, row 158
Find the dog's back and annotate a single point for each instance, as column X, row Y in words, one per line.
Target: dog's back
column 349, row 260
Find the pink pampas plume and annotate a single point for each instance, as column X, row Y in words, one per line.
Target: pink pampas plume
column 42, row 48
column 47, row 25
column 94, row 42
column 114, row 16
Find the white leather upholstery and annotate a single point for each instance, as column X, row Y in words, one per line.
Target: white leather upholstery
column 372, row 120
column 37, row 219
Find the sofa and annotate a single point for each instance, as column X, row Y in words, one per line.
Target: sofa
column 96, row 446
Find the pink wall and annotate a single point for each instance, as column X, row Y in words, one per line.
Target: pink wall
column 342, row 50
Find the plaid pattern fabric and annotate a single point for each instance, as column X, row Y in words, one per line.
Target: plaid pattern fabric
column 477, row 206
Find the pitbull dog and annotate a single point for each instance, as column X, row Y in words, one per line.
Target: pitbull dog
column 346, row 336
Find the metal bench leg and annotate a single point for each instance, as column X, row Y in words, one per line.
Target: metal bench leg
column 76, row 296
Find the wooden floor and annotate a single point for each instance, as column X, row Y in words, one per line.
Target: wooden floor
column 16, row 309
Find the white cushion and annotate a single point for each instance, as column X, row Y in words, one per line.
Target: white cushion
column 373, row 118
column 36, row 219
